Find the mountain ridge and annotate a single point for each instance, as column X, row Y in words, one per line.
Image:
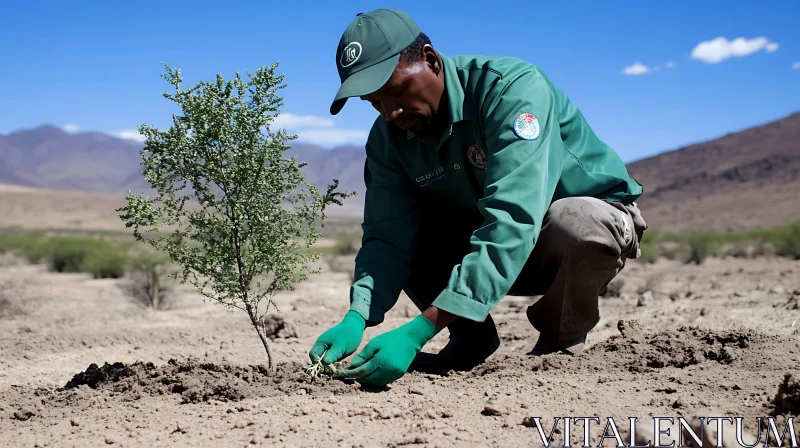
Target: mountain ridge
column 740, row 180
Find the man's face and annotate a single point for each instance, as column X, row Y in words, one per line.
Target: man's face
column 411, row 96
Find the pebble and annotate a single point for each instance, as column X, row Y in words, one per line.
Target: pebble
column 417, row 391
column 529, row 422
column 389, row 413
column 493, row 409
column 430, row 414
column 23, row 415
column 778, row 290
column 646, row 296
column 729, row 353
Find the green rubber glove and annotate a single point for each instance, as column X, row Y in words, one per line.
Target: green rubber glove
column 388, row 356
column 339, row 341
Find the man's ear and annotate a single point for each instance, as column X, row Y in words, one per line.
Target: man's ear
column 432, row 59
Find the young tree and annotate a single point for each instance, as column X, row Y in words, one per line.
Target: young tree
column 231, row 212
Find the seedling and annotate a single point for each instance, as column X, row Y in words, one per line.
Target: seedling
column 316, row 369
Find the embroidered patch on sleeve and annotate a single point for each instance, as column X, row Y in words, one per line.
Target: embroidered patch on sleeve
column 526, row 126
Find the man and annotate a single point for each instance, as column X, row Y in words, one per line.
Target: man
column 483, row 180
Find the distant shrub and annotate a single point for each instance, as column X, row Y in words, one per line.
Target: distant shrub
column 104, row 262
column 148, row 283
column 100, row 258
column 15, row 298
column 702, row 243
column 652, row 283
column 24, row 245
column 748, row 248
column 67, row 254
column 97, row 257
column 347, row 243
column 786, row 239
column 649, row 245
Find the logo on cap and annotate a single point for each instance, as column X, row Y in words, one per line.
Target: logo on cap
column 350, row 54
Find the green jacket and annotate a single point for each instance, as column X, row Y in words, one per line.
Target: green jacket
column 521, row 140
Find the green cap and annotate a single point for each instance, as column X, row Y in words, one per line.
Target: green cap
column 369, row 50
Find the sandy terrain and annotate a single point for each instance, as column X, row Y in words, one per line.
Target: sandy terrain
column 41, row 209
column 717, row 338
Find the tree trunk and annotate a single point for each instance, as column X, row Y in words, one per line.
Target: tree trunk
column 243, row 284
column 261, row 335
column 153, row 282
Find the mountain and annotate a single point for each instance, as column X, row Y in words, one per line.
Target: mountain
column 47, row 157
column 742, row 180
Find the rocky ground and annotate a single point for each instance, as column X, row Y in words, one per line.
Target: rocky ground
column 83, row 365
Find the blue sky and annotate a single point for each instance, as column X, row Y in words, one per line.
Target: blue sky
column 649, row 76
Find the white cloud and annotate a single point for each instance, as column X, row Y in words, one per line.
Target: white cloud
column 318, row 130
column 720, row 49
column 796, row 66
column 129, row 134
column 641, row 69
column 636, row 69
column 332, row 137
column 70, row 127
column 292, row 121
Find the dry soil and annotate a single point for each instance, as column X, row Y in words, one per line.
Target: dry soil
column 82, row 365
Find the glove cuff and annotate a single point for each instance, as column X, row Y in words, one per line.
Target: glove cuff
column 355, row 318
column 420, row 330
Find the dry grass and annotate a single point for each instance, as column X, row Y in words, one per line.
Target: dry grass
column 342, row 263
column 652, row 284
column 16, row 299
column 147, row 291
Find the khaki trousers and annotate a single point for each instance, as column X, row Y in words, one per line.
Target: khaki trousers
column 583, row 244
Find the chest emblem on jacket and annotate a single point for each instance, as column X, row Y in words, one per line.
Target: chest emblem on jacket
column 477, row 157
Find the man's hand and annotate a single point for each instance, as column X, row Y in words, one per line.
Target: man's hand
column 340, row 341
column 388, row 356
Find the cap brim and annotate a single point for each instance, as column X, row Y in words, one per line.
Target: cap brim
column 364, row 82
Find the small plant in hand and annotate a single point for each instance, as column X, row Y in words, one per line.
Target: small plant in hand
column 236, row 216
column 316, row 369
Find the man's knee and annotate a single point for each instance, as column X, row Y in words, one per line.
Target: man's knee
column 580, row 223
